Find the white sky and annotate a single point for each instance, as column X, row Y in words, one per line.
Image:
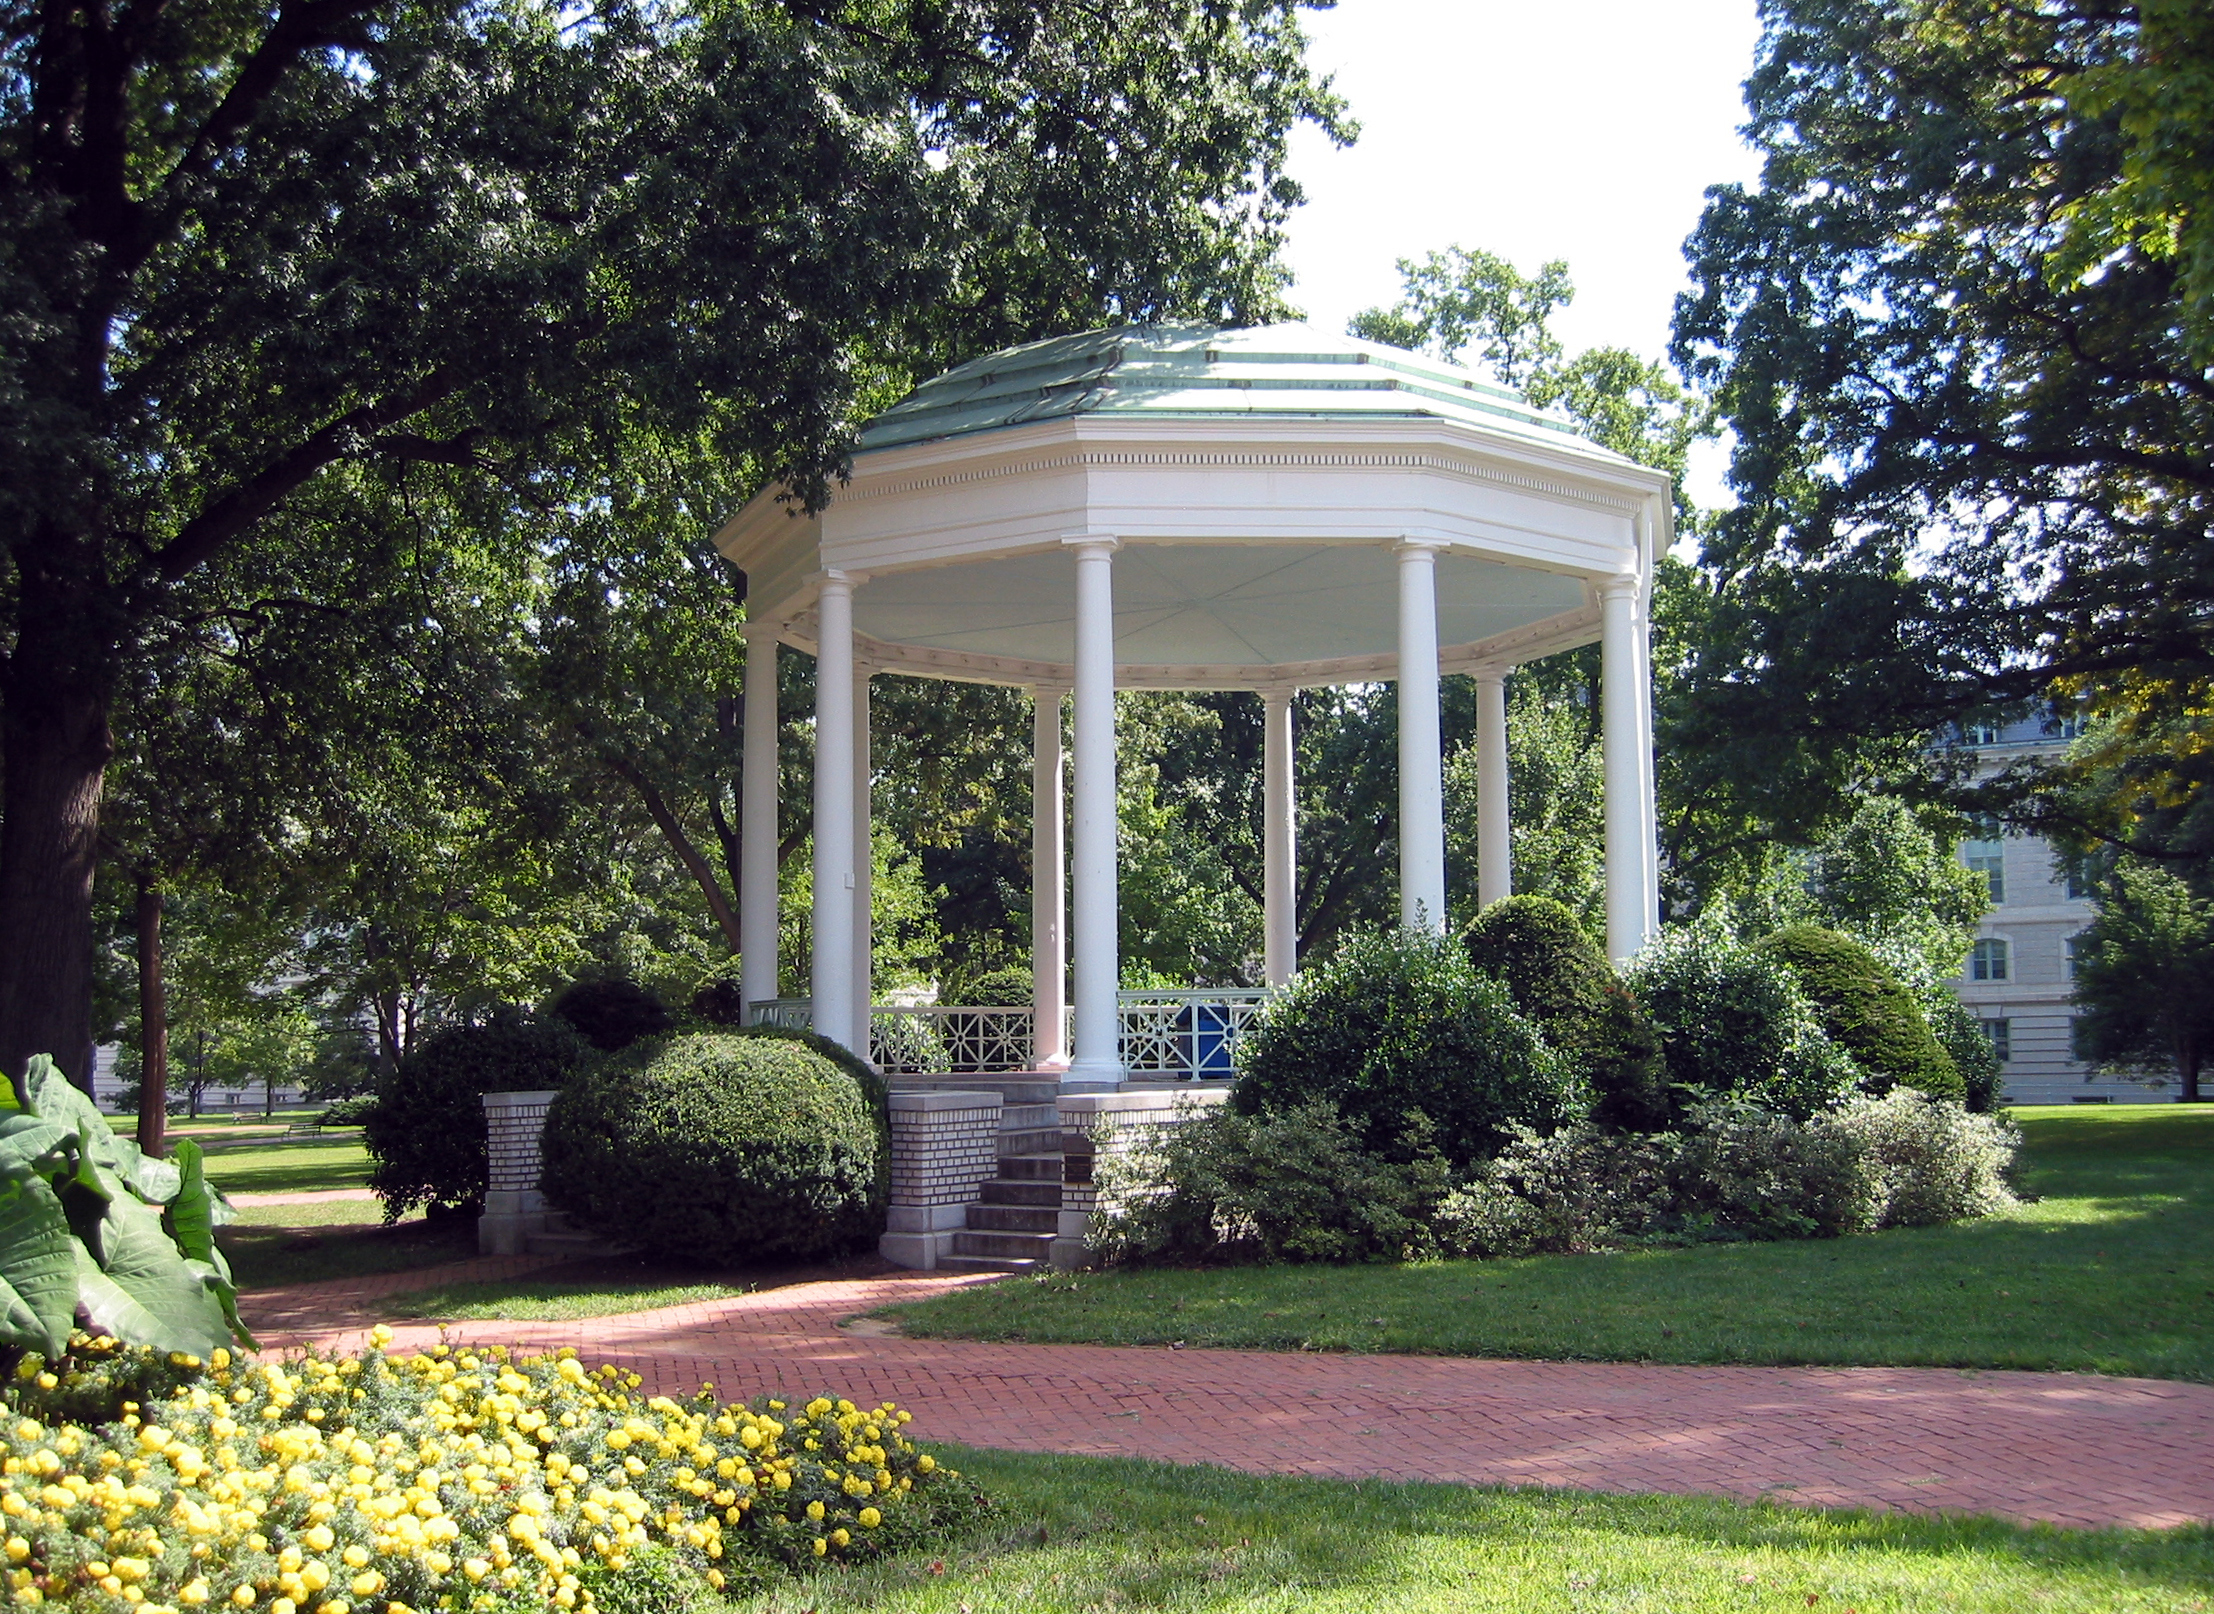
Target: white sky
column 1578, row 129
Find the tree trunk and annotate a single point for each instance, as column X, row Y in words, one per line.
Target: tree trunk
column 153, row 1024
column 57, row 745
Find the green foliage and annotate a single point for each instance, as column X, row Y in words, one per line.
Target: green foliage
column 1884, row 877
column 2145, row 982
column 1734, row 1022
column 1936, row 1162
column 1397, row 1023
column 353, row 1111
column 1559, row 979
column 722, row 1148
column 427, row 1132
column 611, row 1013
column 1295, row 1185
column 1954, row 1025
column 91, row 1228
column 1866, row 1011
column 1010, row 986
column 1957, row 333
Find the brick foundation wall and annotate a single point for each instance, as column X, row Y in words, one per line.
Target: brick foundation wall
column 945, row 1147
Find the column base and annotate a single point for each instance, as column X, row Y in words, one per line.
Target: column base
column 918, row 1252
column 1092, row 1076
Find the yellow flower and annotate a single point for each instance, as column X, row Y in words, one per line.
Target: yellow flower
column 815, row 1511
column 926, row 1463
column 821, row 1546
column 870, row 1518
column 841, row 1537
column 243, row 1597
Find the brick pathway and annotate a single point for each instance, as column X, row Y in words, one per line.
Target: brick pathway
column 2066, row 1448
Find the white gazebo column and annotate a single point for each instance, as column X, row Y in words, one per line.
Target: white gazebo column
column 1648, row 794
column 1629, row 808
column 1421, row 758
column 832, row 916
column 1494, row 840
column 1097, row 1065
column 757, row 822
column 1279, row 902
column 1049, row 885
column 864, row 867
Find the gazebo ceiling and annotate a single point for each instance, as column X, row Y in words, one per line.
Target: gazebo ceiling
column 1254, row 479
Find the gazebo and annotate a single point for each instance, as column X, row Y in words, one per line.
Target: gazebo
column 1196, row 508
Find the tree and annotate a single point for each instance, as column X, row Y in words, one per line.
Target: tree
column 244, row 254
column 1957, row 333
column 2145, row 978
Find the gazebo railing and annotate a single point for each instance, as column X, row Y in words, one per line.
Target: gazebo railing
column 1189, row 1034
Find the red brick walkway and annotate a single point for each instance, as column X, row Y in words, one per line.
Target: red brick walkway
column 2066, row 1448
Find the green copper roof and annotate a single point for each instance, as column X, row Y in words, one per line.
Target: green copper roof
column 1294, row 371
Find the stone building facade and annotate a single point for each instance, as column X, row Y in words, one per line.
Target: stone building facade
column 2019, row 978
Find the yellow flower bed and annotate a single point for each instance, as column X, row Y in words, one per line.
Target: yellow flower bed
column 454, row 1479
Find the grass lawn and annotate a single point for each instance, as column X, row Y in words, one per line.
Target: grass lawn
column 1087, row 1533
column 2111, row 1270
column 285, row 1168
column 556, row 1298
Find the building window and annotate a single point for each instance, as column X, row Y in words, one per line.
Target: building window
column 2001, row 1033
column 1987, row 962
column 2079, row 949
column 1982, row 733
column 1987, row 858
column 2078, row 883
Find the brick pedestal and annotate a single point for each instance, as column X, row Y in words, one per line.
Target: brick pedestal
column 1095, row 1124
column 945, row 1147
column 513, row 1207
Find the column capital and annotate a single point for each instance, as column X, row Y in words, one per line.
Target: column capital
column 1622, row 585
column 1490, row 672
column 765, row 629
column 832, row 577
column 1407, row 545
column 1049, row 692
column 1278, row 694
column 1106, row 542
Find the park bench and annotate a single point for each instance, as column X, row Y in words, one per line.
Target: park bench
column 304, row 1129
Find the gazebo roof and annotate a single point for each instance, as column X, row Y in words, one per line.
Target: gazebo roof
column 1253, row 479
column 1203, row 372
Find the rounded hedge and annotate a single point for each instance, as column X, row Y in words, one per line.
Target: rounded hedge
column 425, row 1132
column 1556, row 975
column 1866, row 1011
column 1955, row 1025
column 723, row 1148
column 1011, row 986
column 1734, row 1021
column 1395, row 1023
column 611, row 1014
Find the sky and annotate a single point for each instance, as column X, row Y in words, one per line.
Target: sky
column 1580, row 129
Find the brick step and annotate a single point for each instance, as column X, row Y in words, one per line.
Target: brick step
column 1020, row 1192
column 992, row 1263
column 1029, row 1117
column 1030, row 1167
column 1028, row 1140
column 1006, row 1246
column 1013, row 1087
column 1015, row 1218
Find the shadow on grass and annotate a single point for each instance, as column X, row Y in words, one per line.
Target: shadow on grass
column 270, row 1257
column 1073, row 1532
column 286, row 1168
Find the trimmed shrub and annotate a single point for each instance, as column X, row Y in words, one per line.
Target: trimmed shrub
column 611, row 1014
column 1937, row 1162
column 1293, row 1186
column 1866, row 1011
column 1954, row 1025
column 1558, row 977
column 349, row 1111
column 426, row 1133
column 720, row 999
column 722, row 1148
column 1734, row 1022
column 1010, row 987
column 1398, row 1023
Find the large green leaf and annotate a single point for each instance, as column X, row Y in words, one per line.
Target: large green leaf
column 38, row 1267
column 191, row 1218
column 29, row 1144
column 145, row 1293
